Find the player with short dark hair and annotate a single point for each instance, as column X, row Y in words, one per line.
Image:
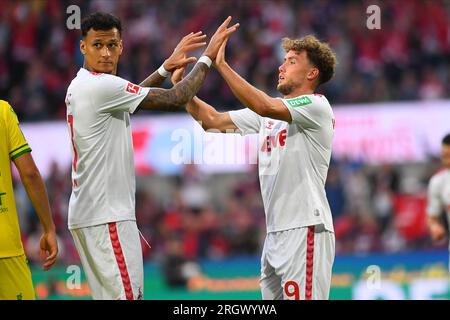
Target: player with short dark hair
column 439, row 195
column 102, row 204
column 295, row 136
column 100, row 21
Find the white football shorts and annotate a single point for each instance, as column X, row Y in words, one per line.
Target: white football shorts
column 296, row 264
column 111, row 256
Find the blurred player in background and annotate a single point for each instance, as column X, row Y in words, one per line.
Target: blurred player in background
column 295, row 135
column 15, row 275
column 102, row 205
column 439, row 195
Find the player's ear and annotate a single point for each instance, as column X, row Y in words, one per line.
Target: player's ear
column 83, row 47
column 313, row 74
column 120, row 47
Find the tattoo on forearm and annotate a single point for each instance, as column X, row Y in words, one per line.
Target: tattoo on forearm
column 153, row 80
column 176, row 98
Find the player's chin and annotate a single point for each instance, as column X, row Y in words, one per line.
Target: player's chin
column 104, row 68
column 284, row 89
column 279, row 86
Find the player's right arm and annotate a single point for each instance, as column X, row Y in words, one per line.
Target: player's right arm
column 178, row 96
column 35, row 188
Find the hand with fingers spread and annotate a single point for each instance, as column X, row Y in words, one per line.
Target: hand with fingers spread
column 48, row 250
column 221, row 35
column 189, row 43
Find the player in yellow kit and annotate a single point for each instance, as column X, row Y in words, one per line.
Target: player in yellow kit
column 15, row 276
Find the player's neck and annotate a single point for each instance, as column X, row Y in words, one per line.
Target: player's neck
column 299, row 92
column 90, row 69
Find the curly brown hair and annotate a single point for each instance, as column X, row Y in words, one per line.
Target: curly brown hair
column 319, row 54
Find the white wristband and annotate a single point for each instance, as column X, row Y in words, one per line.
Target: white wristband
column 163, row 72
column 206, row 60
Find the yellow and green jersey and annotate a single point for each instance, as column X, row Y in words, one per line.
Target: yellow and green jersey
column 12, row 145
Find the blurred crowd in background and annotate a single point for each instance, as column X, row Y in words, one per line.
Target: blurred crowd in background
column 217, row 216
column 407, row 59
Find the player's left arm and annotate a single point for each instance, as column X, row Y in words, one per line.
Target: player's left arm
column 251, row 97
column 153, row 80
column 176, row 60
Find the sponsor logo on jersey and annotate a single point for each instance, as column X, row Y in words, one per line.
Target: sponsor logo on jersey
column 273, row 141
column 298, row 102
column 2, row 210
column 270, row 124
column 132, row 88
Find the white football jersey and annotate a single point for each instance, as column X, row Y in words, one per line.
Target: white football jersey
column 103, row 179
column 293, row 162
column 439, row 194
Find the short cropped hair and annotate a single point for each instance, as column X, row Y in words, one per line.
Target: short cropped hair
column 446, row 140
column 319, row 54
column 100, row 21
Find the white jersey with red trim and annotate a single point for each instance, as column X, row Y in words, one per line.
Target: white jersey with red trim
column 293, row 162
column 103, row 179
column 439, row 194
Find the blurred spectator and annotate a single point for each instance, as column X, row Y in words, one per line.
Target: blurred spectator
column 177, row 268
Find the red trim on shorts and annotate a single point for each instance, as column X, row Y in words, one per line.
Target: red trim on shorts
column 309, row 263
column 113, row 235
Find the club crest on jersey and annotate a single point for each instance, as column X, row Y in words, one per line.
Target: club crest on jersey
column 273, row 141
column 270, row 124
column 132, row 88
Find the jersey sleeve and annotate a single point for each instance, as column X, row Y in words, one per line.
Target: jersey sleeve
column 17, row 144
column 246, row 120
column 434, row 203
column 111, row 94
column 308, row 112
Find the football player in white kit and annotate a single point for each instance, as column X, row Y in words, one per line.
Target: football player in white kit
column 295, row 136
column 102, row 204
column 439, row 195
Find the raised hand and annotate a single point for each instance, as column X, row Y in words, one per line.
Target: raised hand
column 220, row 58
column 178, row 58
column 177, row 75
column 221, row 35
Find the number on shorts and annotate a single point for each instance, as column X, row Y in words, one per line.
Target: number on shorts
column 291, row 289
